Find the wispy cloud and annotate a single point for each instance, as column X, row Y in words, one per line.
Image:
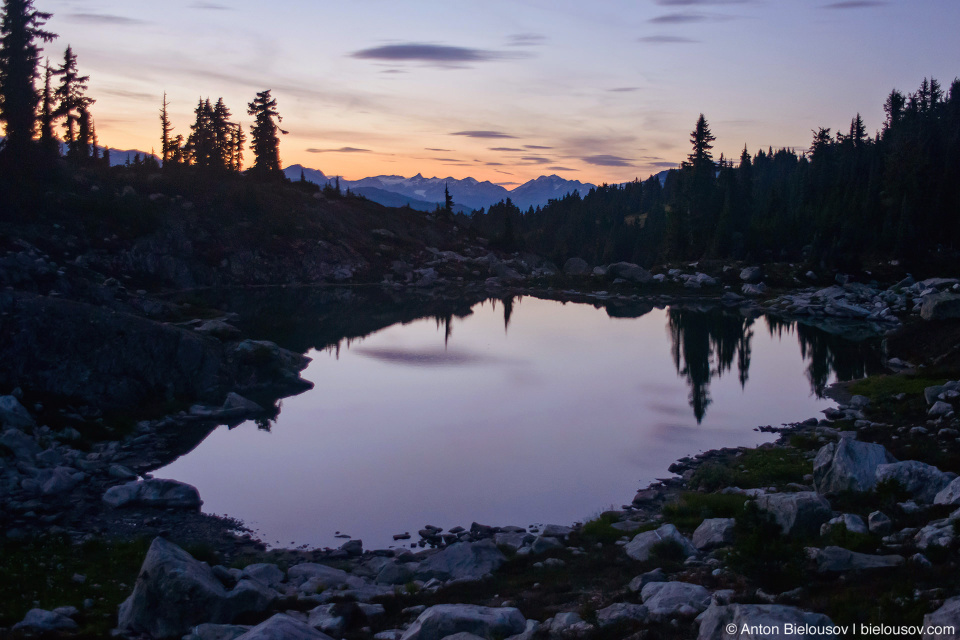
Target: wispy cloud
column 434, row 54
column 696, row 3
column 681, row 18
column 438, row 150
column 508, row 149
column 482, row 134
column 340, row 150
column 125, row 93
column 561, row 169
column 623, row 89
column 664, row 164
column 536, row 160
column 103, row 18
column 661, row 39
column 604, row 160
column 506, row 184
column 855, row 4
column 210, row 6
column 535, row 146
column 525, row 40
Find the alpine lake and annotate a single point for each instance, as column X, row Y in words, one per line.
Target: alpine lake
column 504, row 411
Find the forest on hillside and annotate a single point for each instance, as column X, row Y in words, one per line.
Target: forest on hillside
column 848, row 199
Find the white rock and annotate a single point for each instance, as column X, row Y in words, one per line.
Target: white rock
column 443, row 620
column 714, row 532
column 716, row 619
column 922, row 481
column 642, row 545
column 665, row 599
column 849, row 465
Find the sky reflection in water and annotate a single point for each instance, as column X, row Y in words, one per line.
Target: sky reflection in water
column 564, row 414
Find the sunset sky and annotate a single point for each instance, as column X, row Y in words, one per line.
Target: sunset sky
column 505, row 91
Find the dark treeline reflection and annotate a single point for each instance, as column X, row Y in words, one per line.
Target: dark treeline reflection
column 705, row 344
column 828, row 353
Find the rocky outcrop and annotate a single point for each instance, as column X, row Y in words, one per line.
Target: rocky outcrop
column 838, row 559
column 670, row 599
column 717, row 619
column 946, row 616
column 629, row 271
column 576, row 267
column 921, row 480
column 41, row 620
column 283, row 627
column 156, row 493
column 950, row 494
column 463, row 561
column 798, row 514
column 713, row 532
column 849, row 465
column 940, row 306
column 12, row 413
column 55, row 346
column 622, row 612
column 175, row 592
column 644, row 544
column 444, row 620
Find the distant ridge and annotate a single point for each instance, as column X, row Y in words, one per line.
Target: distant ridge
column 426, row 193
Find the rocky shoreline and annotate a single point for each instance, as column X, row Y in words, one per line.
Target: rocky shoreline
column 673, row 563
column 668, row 569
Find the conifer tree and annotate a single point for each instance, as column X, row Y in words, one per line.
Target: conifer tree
column 166, row 144
column 858, row 132
column 200, row 142
column 48, row 142
column 237, row 139
column 447, row 200
column 222, row 154
column 265, row 143
column 20, row 29
column 701, row 139
column 72, row 100
column 84, row 134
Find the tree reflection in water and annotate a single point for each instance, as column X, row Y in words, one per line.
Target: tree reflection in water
column 705, row 344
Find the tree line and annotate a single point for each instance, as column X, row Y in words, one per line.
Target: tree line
column 848, row 199
column 30, row 114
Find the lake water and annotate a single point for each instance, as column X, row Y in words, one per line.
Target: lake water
column 524, row 411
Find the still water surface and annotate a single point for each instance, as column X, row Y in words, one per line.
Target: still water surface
column 524, row 411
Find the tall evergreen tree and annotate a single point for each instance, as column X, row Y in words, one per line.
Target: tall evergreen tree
column 200, row 142
column 447, row 200
column 166, row 142
column 72, row 98
column 21, row 26
column 236, row 140
column 265, row 142
column 701, row 138
column 48, row 141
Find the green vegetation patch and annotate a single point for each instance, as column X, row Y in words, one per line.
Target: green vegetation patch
column 601, row 530
column 762, row 553
column 772, row 466
column 879, row 387
column 41, row 573
column 693, row 508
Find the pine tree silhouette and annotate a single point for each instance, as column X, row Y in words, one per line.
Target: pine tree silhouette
column 265, row 143
column 72, row 100
column 20, row 29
